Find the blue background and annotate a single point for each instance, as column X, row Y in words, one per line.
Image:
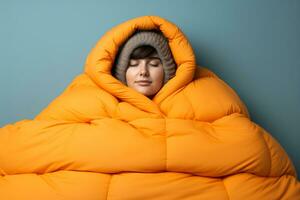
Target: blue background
column 252, row 45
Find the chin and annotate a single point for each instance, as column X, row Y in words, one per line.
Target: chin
column 146, row 92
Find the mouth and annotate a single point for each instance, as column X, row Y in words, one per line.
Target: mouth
column 143, row 83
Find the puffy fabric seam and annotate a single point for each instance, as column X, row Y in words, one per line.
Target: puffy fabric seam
column 267, row 145
column 188, row 100
column 108, row 187
column 51, row 185
column 166, row 144
column 225, row 189
column 3, row 172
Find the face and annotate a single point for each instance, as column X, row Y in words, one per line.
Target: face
column 145, row 75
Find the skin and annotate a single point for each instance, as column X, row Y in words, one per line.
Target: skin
column 150, row 70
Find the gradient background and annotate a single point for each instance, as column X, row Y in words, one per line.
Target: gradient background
column 254, row 46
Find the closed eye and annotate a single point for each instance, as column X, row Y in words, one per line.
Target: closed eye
column 155, row 64
column 133, row 63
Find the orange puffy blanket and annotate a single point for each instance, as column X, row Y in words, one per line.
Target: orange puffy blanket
column 102, row 140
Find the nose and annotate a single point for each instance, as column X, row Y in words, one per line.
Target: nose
column 144, row 70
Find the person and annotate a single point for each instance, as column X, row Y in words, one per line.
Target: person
column 145, row 72
column 142, row 67
column 144, row 121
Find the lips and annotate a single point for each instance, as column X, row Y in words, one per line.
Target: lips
column 143, row 83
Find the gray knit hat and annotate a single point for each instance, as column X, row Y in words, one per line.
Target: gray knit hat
column 141, row 38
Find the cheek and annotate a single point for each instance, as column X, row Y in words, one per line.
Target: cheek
column 130, row 74
column 158, row 74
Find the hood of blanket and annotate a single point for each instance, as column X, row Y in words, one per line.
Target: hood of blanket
column 100, row 61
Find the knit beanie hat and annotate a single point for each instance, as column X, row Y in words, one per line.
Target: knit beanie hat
column 141, row 38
